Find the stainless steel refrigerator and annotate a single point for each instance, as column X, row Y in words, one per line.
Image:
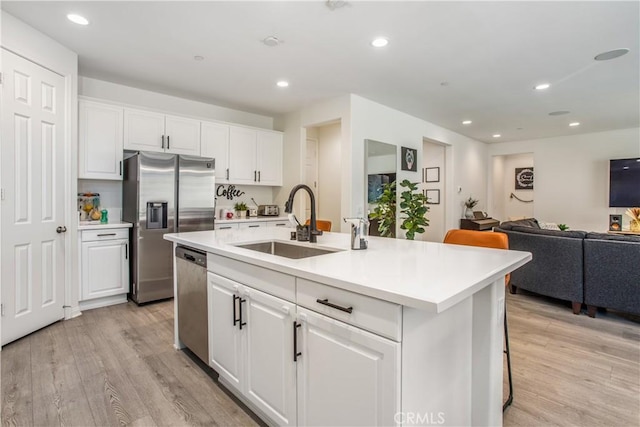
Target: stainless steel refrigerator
column 163, row 193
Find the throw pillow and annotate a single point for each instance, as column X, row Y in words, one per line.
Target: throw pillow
column 548, row 225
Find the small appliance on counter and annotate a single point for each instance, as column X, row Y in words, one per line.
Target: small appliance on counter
column 268, row 210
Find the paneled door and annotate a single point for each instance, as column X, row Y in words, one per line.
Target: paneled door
column 32, row 209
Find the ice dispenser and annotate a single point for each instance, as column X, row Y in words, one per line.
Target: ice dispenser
column 156, row 214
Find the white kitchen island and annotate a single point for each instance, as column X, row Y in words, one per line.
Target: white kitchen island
column 403, row 333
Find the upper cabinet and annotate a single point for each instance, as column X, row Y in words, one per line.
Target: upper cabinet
column 149, row 131
column 99, row 141
column 255, row 156
column 214, row 143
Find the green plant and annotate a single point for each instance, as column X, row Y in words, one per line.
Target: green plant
column 240, row 206
column 471, row 202
column 413, row 208
column 385, row 210
column 563, row 227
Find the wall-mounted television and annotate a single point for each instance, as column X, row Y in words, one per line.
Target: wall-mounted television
column 375, row 183
column 624, row 183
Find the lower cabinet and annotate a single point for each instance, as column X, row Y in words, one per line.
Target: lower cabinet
column 299, row 367
column 251, row 346
column 104, row 263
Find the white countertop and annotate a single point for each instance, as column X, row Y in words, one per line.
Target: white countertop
column 97, row 225
column 424, row 275
column 252, row 219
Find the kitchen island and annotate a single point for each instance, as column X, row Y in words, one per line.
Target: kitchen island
column 401, row 333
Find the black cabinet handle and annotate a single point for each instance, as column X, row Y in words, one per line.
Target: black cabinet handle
column 106, row 234
column 241, row 322
column 120, row 167
column 126, row 251
column 296, row 353
column 254, row 226
column 255, row 173
column 162, row 141
column 337, row 307
column 258, row 176
column 168, row 142
column 227, row 173
column 235, row 320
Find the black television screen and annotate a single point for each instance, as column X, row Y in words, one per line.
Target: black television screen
column 624, row 183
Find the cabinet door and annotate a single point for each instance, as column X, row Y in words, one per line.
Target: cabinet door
column 353, row 372
column 225, row 345
column 100, row 141
column 182, row 136
column 270, row 372
column 143, row 130
column 215, row 143
column 105, row 268
column 242, row 156
column 269, row 158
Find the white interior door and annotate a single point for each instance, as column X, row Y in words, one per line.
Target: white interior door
column 311, row 175
column 33, row 257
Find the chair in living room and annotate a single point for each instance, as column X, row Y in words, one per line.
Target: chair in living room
column 488, row 240
column 322, row 224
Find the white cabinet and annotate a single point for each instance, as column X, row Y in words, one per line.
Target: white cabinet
column 214, row 143
column 255, row 156
column 100, row 141
column 222, row 225
column 251, row 346
column 346, row 376
column 253, row 224
column 104, row 263
column 149, row 131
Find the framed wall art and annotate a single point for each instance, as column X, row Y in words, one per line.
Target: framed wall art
column 432, row 174
column 524, row 178
column 433, row 197
column 409, row 159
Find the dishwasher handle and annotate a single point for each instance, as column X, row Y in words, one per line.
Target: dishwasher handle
column 190, row 255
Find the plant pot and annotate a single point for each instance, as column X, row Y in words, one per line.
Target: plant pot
column 634, row 225
column 241, row 214
column 468, row 213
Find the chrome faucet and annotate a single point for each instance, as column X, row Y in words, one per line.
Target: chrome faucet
column 359, row 232
column 288, row 208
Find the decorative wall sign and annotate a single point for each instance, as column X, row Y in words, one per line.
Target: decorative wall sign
column 432, row 174
column 524, row 178
column 433, row 197
column 229, row 193
column 409, row 162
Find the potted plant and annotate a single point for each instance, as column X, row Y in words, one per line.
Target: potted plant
column 241, row 209
column 385, row 210
column 469, row 204
column 413, row 209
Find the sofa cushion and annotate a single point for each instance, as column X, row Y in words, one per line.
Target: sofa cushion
column 615, row 237
column 529, row 222
column 556, row 233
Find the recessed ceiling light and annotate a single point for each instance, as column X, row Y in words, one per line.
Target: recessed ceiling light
column 558, row 113
column 77, row 19
column 379, row 42
column 467, row 122
column 612, row 54
column 198, row 58
column 283, row 83
column 542, row 86
column 574, row 124
column 496, row 135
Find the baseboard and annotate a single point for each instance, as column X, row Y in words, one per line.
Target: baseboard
column 103, row 302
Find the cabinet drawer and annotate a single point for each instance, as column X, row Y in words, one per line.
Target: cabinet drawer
column 258, row 224
column 106, row 234
column 265, row 280
column 375, row 315
column 277, row 224
column 223, row 226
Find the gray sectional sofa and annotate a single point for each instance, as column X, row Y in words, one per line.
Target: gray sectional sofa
column 597, row 269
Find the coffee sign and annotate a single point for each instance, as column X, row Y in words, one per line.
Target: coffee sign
column 524, row 178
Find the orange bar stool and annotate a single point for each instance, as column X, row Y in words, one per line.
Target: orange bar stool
column 488, row 239
column 322, row 224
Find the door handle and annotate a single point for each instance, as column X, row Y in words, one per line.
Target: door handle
column 296, row 353
column 61, row 229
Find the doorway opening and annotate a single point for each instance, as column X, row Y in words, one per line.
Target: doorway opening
column 510, row 200
column 435, row 156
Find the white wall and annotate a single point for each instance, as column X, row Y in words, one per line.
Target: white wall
column 18, row 37
column 572, row 175
column 466, row 167
column 166, row 103
column 329, row 174
column 503, row 206
column 433, row 155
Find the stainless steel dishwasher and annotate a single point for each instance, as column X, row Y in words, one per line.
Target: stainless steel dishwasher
column 193, row 326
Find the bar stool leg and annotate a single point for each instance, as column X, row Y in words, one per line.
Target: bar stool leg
column 506, row 351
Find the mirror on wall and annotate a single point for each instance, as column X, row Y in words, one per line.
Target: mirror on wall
column 380, row 169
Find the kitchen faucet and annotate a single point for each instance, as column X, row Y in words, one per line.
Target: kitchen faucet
column 288, row 208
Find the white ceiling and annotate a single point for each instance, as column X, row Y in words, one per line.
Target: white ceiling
column 490, row 54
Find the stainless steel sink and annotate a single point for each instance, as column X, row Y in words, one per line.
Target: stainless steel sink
column 286, row 250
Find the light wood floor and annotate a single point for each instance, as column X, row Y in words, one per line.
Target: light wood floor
column 117, row 366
